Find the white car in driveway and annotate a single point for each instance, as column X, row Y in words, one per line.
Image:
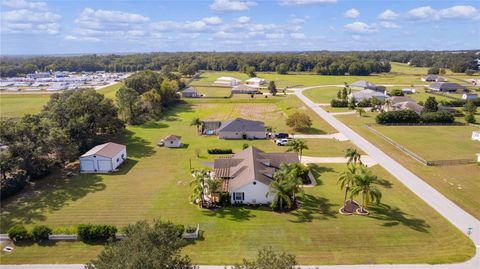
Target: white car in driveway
column 282, row 142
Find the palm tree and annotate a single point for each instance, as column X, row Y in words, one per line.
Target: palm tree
column 281, row 194
column 360, row 111
column 292, row 174
column 197, row 122
column 364, row 181
column 353, row 156
column 214, row 186
column 347, row 180
column 198, row 183
column 297, row 145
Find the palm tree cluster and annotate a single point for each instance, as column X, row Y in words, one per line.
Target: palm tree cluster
column 287, row 183
column 359, row 180
column 204, row 186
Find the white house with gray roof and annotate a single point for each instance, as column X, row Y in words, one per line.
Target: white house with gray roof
column 367, row 95
column 242, row 129
column 103, row 158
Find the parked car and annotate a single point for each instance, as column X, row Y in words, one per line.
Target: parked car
column 281, row 142
column 281, row 135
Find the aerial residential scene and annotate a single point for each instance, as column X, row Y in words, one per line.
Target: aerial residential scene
column 242, row 134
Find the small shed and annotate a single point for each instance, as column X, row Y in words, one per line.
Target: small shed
column 103, row 158
column 476, row 135
column 172, row 141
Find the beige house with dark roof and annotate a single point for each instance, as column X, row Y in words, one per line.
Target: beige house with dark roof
column 247, row 175
column 103, row 158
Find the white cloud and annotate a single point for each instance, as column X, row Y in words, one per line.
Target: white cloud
column 388, row 15
column 107, row 18
column 82, row 38
column 305, row 2
column 298, row 35
column 454, row 12
column 243, row 19
column 360, row 27
column 297, row 21
column 275, row 35
column 352, row 13
column 212, row 20
column 421, row 13
column 389, row 25
column 22, row 4
column 25, row 15
column 231, row 5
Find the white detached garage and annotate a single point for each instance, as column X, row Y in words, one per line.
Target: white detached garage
column 103, row 158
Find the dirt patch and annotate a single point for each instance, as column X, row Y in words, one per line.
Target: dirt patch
column 257, row 111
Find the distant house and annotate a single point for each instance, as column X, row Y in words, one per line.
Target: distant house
column 469, row 96
column 190, row 92
column 103, row 158
column 433, row 78
column 255, row 82
column 365, row 85
column 242, row 129
column 476, row 135
column 227, row 81
column 172, row 141
column 244, row 89
column 446, row 87
column 409, row 90
column 402, row 103
column 367, row 95
column 39, row 75
column 247, row 175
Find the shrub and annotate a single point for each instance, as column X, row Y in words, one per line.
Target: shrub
column 18, row 233
column 224, row 199
column 437, row 117
column 244, row 146
column 220, row 151
column 41, row 232
column 396, row 92
column 364, row 103
column 470, row 118
column 338, row 103
column 180, row 228
column 89, row 232
column 400, row 116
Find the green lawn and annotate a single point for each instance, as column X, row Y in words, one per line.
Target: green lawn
column 459, row 183
column 153, row 183
column 322, row 95
column 16, row 105
column 110, row 91
column 215, row 92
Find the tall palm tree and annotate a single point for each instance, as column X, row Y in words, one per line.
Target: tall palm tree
column 292, row 174
column 364, row 181
column 281, row 194
column 197, row 122
column 347, row 180
column 214, row 186
column 360, row 111
column 297, row 145
column 198, row 184
column 353, row 156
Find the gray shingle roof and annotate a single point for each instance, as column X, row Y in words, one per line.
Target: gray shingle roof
column 242, row 125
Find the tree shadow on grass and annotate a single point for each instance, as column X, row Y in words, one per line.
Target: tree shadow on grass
column 153, row 125
column 49, row 194
column 395, row 216
column 314, row 208
column 318, row 170
column 311, row 131
column 137, row 147
column 234, row 213
column 384, row 183
column 125, row 167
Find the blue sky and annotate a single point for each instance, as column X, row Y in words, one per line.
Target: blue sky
column 85, row 26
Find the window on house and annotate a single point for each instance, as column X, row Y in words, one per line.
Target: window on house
column 118, row 159
column 238, row 196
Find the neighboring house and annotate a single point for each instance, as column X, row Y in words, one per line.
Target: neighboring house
column 446, row 87
column 408, row 91
column 255, row 82
column 190, row 93
column 403, row 103
column 469, row 96
column 433, row 78
column 365, row 85
column 227, row 81
column 244, row 89
column 247, row 175
column 242, row 129
column 476, row 135
column 172, row 141
column 103, row 158
column 367, row 95
column 442, row 108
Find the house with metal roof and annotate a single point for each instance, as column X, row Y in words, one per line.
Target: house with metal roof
column 446, row 87
column 103, row 158
column 247, row 175
column 367, row 95
column 365, row 85
column 244, row 89
column 242, row 129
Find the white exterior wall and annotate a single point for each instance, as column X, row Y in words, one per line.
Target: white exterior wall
column 173, row 143
column 239, row 135
column 253, row 193
column 93, row 163
column 476, row 135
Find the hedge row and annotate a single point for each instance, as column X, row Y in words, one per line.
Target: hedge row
column 90, row 232
column 338, row 103
column 220, row 151
column 20, row 233
column 459, row 102
column 408, row 116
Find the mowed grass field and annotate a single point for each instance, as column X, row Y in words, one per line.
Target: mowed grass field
column 153, row 183
column 459, row 182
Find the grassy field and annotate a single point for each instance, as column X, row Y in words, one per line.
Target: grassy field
column 153, row 183
column 459, row 183
column 215, row 92
column 15, row 105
